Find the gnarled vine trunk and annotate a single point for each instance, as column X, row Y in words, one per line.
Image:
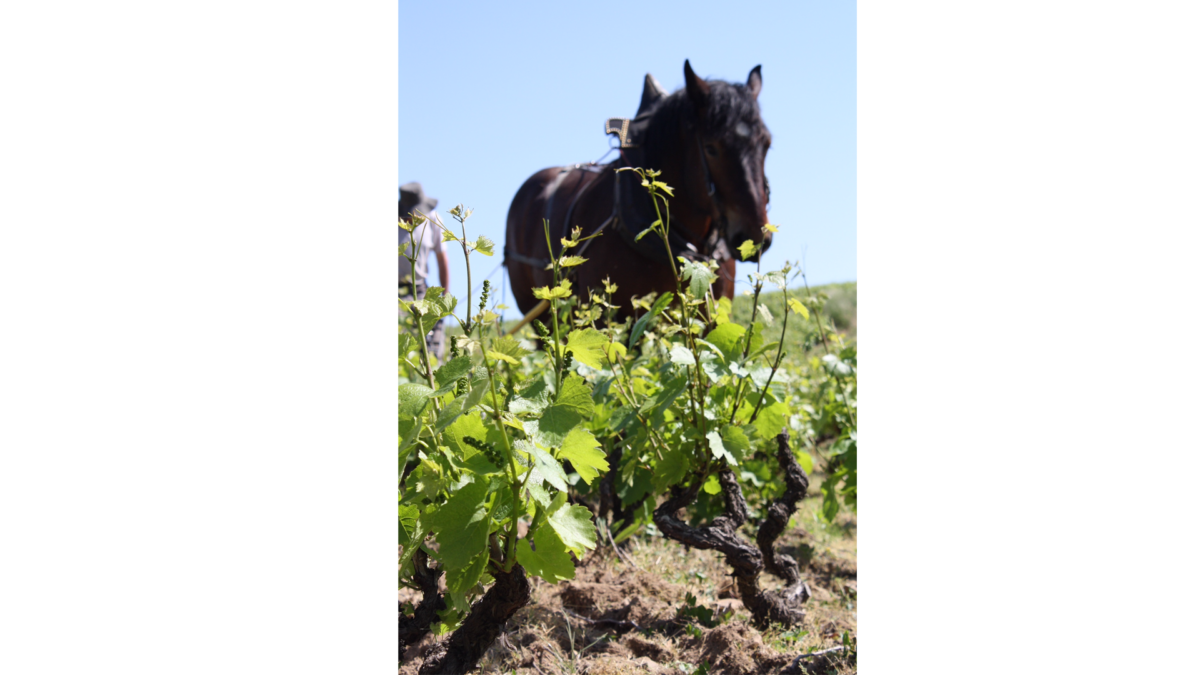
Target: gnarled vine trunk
column 482, row 626
column 784, row 566
column 747, row 561
column 610, row 501
column 415, row 627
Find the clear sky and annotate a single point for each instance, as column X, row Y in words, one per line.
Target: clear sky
column 492, row 92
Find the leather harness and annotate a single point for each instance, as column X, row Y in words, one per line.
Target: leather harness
column 623, row 216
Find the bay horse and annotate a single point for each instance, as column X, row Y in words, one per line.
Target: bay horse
column 710, row 144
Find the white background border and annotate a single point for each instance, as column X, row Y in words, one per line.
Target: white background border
column 195, row 288
column 1027, row 233
column 197, row 265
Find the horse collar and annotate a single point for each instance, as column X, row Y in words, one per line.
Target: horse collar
column 627, row 221
column 708, row 181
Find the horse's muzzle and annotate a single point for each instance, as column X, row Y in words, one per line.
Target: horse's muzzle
column 739, row 239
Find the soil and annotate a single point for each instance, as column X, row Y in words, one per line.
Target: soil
column 614, row 618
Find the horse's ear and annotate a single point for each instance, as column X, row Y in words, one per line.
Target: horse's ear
column 754, row 82
column 697, row 88
column 652, row 92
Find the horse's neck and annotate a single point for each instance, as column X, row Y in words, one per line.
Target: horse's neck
column 689, row 208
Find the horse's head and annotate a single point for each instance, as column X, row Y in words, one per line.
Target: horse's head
column 731, row 140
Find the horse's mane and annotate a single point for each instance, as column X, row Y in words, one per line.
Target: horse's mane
column 728, row 104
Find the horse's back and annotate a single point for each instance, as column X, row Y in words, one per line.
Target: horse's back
column 524, row 231
column 548, row 194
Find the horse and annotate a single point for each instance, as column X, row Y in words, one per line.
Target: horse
column 710, row 144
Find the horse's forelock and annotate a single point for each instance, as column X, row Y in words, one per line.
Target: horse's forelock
column 728, row 105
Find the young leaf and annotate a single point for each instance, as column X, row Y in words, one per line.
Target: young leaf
column 682, row 355
column 461, row 525
column 563, row 290
column 644, row 322
column 574, row 525
column 479, row 387
column 532, row 399
column 451, row 372
column 588, row 347
column 484, row 246
column 699, row 275
column 409, row 428
column 766, row 315
column 798, row 307
column 550, row 561
column 735, row 441
column 449, row 414
column 461, row 580
column 771, row 420
column 536, row 490
column 725, row 337
column 718, row 448
column 463, row 427
column 724, row 309
column 582, row 450
column 778, row 278
column 507, row 349
column 413, row 397
column 671, row 469
column 663, row 399
column 747, row 249
column 836, row 366
column 576, row 396
column 556, row 422
column 406, row 344
column 571, row 261
column 615, row 350
column 805, row 460
column 549, row 467
column 435, row 305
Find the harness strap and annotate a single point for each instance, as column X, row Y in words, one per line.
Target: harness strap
column 708, row 181
column 524, row 259
column 552, row 189
column 715, row 248
column 651, row 248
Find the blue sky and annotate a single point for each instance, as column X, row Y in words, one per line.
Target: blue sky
column 492, row 92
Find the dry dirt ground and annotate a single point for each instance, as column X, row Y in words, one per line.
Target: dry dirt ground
column 620, row 613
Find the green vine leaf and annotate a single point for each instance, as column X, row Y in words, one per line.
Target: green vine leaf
column 461, row 525
column 508, row 350
column 699, row 276
column 718, row 448
column 548, row 467
column 682, row 355
column 550, row 561
column 581, row 448
column 450, row 373
column 485, row 246
column 588, row 347
column 413, row 398
column 573, row 523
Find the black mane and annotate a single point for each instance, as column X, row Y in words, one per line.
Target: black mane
column 728, row 104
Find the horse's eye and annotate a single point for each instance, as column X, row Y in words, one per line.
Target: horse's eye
column 710, row 149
